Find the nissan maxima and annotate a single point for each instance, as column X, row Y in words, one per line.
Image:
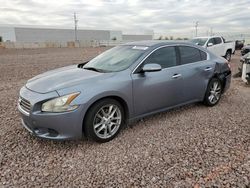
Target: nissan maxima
column 128, row 82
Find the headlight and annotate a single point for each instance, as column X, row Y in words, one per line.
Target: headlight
column 60, row 104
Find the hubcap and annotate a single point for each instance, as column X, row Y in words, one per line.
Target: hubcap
column 215, row 92
column 107, row 121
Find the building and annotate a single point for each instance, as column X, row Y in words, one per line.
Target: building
column 38, row 35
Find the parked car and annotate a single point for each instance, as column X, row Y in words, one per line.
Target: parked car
column 123, row 84
column 239, row 44
column 243, row 60
column 217, row 45
column 245, row 50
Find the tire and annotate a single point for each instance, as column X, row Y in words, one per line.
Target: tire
column 100, row 125
column 228, row 55
column 213, row 92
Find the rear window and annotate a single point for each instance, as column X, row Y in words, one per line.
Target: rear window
column 189, row 54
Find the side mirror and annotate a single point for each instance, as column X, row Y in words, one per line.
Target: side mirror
column 151, row 67
column 210, row 44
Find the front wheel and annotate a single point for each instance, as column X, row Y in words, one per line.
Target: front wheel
column 228, row 56
column 104, row 120
column 213, row 93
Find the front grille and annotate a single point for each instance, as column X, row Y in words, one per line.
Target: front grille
column 24, row 104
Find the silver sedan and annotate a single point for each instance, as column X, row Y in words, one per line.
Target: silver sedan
column 125, row 83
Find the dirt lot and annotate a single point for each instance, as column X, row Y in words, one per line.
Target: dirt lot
column 190, row 146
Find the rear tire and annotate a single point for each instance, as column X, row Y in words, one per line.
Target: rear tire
column 213, row 93
column 104, row 120
column 228, row 55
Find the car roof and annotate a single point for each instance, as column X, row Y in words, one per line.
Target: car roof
column 157, row 43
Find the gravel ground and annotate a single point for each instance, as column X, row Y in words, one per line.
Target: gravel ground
column 192, row 146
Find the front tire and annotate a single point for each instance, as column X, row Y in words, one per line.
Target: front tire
column 104, row 120
column 228, row 55
column 213, row 93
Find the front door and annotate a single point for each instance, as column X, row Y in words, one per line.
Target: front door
column 212, row 48
column 153, row 91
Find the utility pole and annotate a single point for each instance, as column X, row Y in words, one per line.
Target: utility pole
column 196, row 28
column 75, row 20
column 211, row 31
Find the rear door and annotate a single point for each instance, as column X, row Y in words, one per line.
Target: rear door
column 196, row 71
column 153, row 91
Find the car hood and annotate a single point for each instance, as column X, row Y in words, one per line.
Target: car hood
column 62, row 78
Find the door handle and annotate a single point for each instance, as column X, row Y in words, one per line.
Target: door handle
column 208, row 69
column 176, row 76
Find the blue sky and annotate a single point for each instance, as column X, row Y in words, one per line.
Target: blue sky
column 162, row 16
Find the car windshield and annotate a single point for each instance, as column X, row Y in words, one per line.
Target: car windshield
column 116, row 59
column 199, row 41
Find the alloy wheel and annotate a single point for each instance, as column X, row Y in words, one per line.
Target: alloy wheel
column 107, row 121
column 215, row 92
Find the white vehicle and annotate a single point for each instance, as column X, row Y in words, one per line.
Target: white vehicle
column 217, row 45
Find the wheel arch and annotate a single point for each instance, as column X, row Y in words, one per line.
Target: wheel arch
column 119, row 99
column 222, row 79
column 229, row 50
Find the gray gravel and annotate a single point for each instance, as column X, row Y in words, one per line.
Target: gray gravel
column 192, row 146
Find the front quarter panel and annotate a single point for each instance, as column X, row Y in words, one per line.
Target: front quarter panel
column 118, row 85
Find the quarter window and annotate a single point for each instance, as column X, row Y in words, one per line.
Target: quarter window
column 166, row 57
column 189, row 54
column 203, row 55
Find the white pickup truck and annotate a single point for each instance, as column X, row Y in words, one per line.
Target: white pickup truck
column 217, row 45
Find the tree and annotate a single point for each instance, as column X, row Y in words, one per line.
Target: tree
column 1, row 39
column 179, row 38
column 114, row 38
column 166, row 38
column 185, row 38
column 171, row 38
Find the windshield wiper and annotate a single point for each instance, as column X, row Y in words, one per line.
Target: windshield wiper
column 93, row 69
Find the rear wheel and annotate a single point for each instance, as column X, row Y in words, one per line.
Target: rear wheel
column 104, row 120
column 213, row 93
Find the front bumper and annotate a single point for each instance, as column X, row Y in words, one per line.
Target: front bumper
column 56, row 126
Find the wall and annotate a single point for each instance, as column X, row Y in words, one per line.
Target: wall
column 115, row 34
column 136, row 37
column 7, row 34
column 58, row 35
column 25, row 37
column 69, row 44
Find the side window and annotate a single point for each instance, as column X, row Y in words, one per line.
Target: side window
column 166, row 57
column 203, row 55
column 211, row 41
column 189, row 54
column 217, row 40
